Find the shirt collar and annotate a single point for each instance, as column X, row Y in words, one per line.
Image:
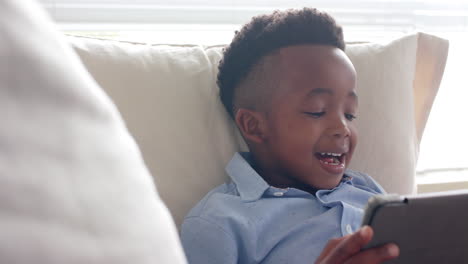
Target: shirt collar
column 250, row 184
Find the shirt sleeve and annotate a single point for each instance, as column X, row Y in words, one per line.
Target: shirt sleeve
column 207, row 243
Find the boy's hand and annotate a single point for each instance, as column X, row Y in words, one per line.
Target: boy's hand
column 347, row 249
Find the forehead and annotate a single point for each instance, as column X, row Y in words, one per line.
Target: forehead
column 307, row 67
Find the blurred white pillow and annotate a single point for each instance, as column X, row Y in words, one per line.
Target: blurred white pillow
column 73, row 186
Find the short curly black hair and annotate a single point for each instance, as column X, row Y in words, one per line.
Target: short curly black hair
column 266, row 33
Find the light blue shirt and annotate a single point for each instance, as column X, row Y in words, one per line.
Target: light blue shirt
column 247, row 221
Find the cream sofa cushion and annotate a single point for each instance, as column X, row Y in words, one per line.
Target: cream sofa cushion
column 73, row 185
column 169, row 99
column 397, row 84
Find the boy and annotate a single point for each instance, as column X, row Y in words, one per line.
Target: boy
column 290, row 88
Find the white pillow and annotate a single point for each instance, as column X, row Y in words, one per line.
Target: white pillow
column 397, row 83
column 169, row 98
column 73, row 187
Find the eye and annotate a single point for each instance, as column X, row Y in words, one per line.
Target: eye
column 315, row 114
column 350, row 117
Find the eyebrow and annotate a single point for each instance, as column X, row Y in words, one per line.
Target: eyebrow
column 319, row 91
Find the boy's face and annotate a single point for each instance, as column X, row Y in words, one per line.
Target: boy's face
column 310, row 134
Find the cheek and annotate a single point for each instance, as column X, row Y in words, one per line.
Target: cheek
column 281, row 124
column 294, row 132
column 353, row 136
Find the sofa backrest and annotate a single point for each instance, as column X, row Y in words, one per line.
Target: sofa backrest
column 168, row 98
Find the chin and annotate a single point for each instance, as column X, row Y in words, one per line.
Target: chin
column 332, row 183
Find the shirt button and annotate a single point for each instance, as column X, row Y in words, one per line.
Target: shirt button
column 278, row 194
column 349, row 229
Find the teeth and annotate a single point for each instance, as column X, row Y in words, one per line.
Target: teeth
column 331, row 154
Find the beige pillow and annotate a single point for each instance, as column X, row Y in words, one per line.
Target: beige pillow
column 73, row 186
column 169, row 99
column 397, row 83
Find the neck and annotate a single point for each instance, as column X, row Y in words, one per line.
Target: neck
column 278, row 178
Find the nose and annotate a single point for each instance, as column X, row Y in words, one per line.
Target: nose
column 339, row 127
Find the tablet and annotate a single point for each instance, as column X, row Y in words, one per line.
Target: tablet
column 428, row 228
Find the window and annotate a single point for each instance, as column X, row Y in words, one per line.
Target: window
column 362, row 19
column 442, row 153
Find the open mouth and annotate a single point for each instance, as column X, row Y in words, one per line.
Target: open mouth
column 330, row 158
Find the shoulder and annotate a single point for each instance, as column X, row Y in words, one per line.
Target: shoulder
column 207, row 241
column 222, row 208
column 206, row 235
column 364, row 181
column 216, row 199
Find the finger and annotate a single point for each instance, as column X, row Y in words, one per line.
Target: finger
column 332, row 243
column 375, row 255
column 349, row 246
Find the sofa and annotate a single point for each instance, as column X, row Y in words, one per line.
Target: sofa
column 168, row 97
column 106, row 145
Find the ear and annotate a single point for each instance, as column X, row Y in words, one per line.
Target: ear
column 251, row 124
